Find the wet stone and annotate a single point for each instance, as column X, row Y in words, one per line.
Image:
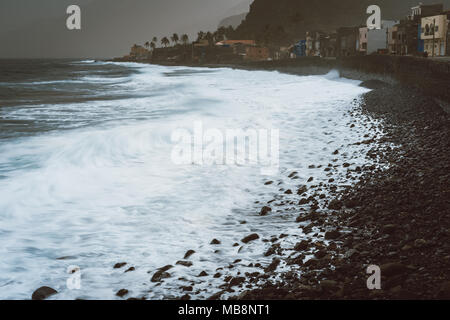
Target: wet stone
column 43, row 293
column 119, row 265
column 188, row 254
column 250, row 237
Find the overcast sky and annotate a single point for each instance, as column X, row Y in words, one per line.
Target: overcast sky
column 37, row 28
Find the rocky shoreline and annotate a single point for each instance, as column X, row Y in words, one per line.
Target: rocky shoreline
column 396, row 218
column 396, row 214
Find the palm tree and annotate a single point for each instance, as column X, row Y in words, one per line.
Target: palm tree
column 185, row 39
column 175, row 38
column 152, row 45
column 219, row 35
column 229, row 32
column 147, row 45
column 155, row 40
column 200, row 35
column 165, row 42
column 209, row 36
column 221, row 32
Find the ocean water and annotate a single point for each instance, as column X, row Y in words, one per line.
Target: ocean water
column 87, row 179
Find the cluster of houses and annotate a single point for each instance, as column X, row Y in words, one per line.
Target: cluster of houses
column 425, row 32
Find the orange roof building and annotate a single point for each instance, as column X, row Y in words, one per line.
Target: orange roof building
column 236, row 42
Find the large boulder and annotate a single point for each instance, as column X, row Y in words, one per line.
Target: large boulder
column 43, row 293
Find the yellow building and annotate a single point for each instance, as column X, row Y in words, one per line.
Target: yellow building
column 434, row 33
column 139, row 53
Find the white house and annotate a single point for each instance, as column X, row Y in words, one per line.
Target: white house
column 434, row 33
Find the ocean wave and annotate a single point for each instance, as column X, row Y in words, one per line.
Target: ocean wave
column 107, row 190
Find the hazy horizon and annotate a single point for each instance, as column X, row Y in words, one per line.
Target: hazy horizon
column 32, row 29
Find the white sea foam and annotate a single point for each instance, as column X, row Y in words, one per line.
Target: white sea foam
column 107, row 192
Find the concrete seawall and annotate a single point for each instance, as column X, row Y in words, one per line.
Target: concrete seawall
column 430, row 77
column 427, row 76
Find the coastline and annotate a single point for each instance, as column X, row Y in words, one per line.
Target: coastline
column 395, row 218
column 425, row 75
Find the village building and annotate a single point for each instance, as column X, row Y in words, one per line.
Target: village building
column 239, row 46
column 204, row 51
column 426, row 10
column 283, row 53
column 407, row 39
column 201, row 43
column 257, row 53
column 394, row 40
column 434, row 33
column 347, row 41
column 139, row 53
column 231, row 43
column 363, row 40
column 299, row 49
column 398, row 37
column 199, row 49
column 417, row 13
column 313, row 43
column 328, row 44
column 377, row 39
column 447, row 13
column 320, row 44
